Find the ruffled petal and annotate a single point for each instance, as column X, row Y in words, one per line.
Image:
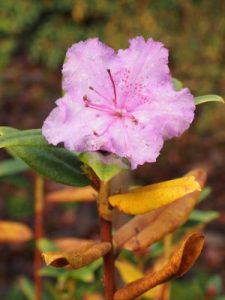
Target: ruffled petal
column 138, row 145
column 140, row 68
column 170, row 112
column 78, row 127
column 86, row 66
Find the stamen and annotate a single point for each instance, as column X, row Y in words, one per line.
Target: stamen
column 99, row 94
column 98, row 107
column 105, row 130
column 113, row 85
column 86, row 101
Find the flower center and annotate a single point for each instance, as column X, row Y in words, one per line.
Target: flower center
column 108, row 108
column 120, row 112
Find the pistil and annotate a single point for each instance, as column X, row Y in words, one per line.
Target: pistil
column 114, row 87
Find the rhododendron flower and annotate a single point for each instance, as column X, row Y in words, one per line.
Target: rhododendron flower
column 122, row 102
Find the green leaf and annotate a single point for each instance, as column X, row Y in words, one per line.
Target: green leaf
column 17, row 180
column 204, row 193
column 208, row 98
column 84, row 275
column 12, row 166
column 15, row 137
column 27, row 288
column 203, row 216
column 181, row 290
column 105, row 166
column 14, row 293
column 53, row 272
column 55, row 163
column 177, row 84
column 46, row 245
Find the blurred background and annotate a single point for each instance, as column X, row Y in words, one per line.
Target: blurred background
column 34, row 36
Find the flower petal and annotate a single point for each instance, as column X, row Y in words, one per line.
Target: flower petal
column 141, row 67
column 138, row 145
column 79, row 128
column 170, row 112
column 86, row 66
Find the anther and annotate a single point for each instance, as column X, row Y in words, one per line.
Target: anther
column 86, row 101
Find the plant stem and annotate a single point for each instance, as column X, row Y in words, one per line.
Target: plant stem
column 39, row 233
column 106, row 236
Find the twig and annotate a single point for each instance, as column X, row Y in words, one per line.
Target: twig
column 106, row 236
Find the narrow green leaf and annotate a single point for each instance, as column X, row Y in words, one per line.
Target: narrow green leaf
column 204, row 194
column 27, row 288
column 208, row 98
column 52, row 272
column 55, row 163
column 12, row 166
column 83, row 275
column 203, row 216
column 15, row 137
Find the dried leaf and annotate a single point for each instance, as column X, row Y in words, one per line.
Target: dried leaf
column 83, row 254
column 142, row 231
column 14, row 232
column 151, row 197
column 69, row 244
column 181, row 261
column 83, row 194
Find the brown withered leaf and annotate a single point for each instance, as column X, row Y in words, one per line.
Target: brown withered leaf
column 81, row 255
column 180, row 262
column 82, row 194
column 14, row 232
column 144, row 230
column 70, row 243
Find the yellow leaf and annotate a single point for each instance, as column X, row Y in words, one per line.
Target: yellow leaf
column 14, row 232
column 181, row 261
column 83, row 194
column 144, row 230
column 129, row 273
column 151, row 197
column 83, row 254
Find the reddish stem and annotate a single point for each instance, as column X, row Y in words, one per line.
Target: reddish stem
column 106, row 236
column 39, row 233
column 108, row 260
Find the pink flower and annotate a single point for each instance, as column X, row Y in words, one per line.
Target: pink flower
column 123, row 103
